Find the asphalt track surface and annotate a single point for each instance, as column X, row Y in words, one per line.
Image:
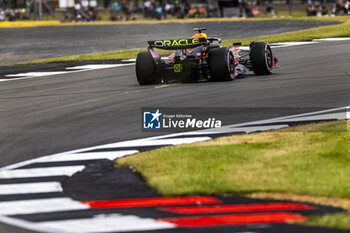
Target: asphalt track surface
column 42, row 116
column 25, row 44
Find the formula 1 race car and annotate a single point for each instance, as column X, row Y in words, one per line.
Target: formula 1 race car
column 201, row 58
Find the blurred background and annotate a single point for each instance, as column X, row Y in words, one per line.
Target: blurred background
column 123, row 10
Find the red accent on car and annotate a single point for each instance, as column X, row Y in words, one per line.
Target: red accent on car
column 207, row 221
column 145, row 202
column 237, row 208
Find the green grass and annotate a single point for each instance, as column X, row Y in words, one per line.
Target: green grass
column 341, row 30
column 311, row 163
column 339, row 221
column 113, row 55
column 121, row 54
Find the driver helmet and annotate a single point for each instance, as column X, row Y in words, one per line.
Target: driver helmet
column 200, row 35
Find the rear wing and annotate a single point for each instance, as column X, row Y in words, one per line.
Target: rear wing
column 177, row 44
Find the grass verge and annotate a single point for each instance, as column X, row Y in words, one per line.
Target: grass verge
column 340, row 30
column 121, row 54
column 307, row 163
column 295, row 160
column 338, row 221
column 113, row 55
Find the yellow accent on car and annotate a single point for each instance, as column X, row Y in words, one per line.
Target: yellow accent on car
column 178, row 68
column 200, row 35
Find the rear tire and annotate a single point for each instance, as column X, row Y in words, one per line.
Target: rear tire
column 261, row 58
column 221, row 64
column 146, row 72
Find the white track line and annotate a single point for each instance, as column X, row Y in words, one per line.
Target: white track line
column 40, row 206
column 86, row 156
column 23, row 224
column 95, row 67
column 36, row 74
column 146, row 142
column 80, row 154
column 40, row 172
column 247, row 129
column 40, row 187
column 338, row 116
column 313, row 116
column 105, row 223
column 332, row 39
column 288, row 44
column 72, row 156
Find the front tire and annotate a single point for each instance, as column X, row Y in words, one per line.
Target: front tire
column 221, row 64
column 146, row 72
column 261, row 58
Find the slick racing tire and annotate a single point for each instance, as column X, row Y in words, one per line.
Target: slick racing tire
column 221, row 64
column 146, row 69
column 261, row 58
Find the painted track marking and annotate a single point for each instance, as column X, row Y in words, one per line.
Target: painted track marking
column 24, row 188
column 40, row 172
column 40, row 206
column 332, row 39
column 236, row 208
column 88, row 156
column 105, row 223
column 145, row 202
column 207, row 221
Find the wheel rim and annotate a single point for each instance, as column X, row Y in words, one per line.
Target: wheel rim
column 269, row 57
column 231, row 64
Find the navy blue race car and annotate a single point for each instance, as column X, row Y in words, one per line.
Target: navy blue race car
column 202, row 58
